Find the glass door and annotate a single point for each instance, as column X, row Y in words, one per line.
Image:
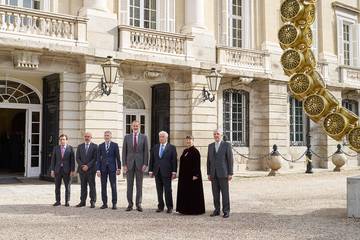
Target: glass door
column 130, row 117
column 34, row 144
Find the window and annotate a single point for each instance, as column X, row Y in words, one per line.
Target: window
column 134, row 109
column 236, row 23
column 143, row 13
column 351, row 105
column 34, row 4
column 347, row 36
column 314, row 30
column 346, row 43
column 236, row 117
column 14, row 92
column 297, row 123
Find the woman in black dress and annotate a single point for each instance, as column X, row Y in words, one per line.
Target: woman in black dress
column 190, row 195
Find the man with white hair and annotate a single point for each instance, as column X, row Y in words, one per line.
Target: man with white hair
column 220, row 171
column 163, row 165
column 86, row 155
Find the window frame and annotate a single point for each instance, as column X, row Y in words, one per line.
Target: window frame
column 245, row 96
column 20, row 3
column 142, row 14
column 293, row 117
column 245, row 24
column 344, row 17
column 347, row 58
column 346, row 103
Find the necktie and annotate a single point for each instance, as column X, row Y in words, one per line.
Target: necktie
column 86, row 148
column 62, row 151
column 217, row 146
column 135, row 142
column 161, row 150
column 107, row 147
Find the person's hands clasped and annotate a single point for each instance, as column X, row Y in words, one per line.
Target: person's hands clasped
column 85, row 168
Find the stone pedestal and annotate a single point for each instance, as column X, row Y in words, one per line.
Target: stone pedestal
column 353, row 196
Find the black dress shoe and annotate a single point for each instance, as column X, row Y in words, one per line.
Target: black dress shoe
column 159, row 210
column 67, row 204
column 226, row 215
column 56, row 204
column 81, row 205
column 114, row 207
column 139, row 208
column 92, row 205
column 129, row 208
column 215, row 213
column 169, row 210
column 104, row 206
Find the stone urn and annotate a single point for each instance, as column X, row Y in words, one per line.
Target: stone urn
column 338, row 159
column 274, row 161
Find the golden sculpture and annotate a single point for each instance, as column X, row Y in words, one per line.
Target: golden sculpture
column 306, row 84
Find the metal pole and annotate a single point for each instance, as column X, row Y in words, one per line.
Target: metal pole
column 308, row 145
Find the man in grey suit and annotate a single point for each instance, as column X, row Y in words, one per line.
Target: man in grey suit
column 135, row 160
column 220, row 171
column 86, row 155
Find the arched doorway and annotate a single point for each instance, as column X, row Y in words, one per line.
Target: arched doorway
column 20, row 131
column 135, row 109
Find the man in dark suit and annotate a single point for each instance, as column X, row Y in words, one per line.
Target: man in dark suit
column 108, row 164
column 163, row 165
column 135, row 160
column 86, row 155
column 220, row 171
column 62, row 168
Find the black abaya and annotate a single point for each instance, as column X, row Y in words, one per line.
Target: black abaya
column 190, row 196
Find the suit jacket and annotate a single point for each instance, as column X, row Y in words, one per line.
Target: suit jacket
column 221, row 162
column 89, row 158
column 110, row 158
column 140, row 156
column 167, row 163
column 68, row 160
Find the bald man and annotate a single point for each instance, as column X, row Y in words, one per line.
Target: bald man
column 86, row 155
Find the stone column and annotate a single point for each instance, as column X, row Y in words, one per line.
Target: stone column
column 99, row 113
column 268, row 122
column 204, row 44
column 102, row 25
column 194, row 14
column 96, row 4
column 124, row 12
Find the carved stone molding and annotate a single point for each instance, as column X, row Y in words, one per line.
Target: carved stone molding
column 152, row 74
column 245, row 80
column 26, row 60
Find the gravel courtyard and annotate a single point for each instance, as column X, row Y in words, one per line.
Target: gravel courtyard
column 296, row 206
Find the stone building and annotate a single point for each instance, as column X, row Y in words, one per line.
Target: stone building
column 50, row 75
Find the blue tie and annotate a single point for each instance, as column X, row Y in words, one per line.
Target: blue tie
column 161, row 150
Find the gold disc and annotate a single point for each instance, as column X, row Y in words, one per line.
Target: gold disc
column 354, row 139
column 314, row 105
column 335, row 124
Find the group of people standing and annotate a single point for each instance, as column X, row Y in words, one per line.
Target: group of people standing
column 104, row 161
